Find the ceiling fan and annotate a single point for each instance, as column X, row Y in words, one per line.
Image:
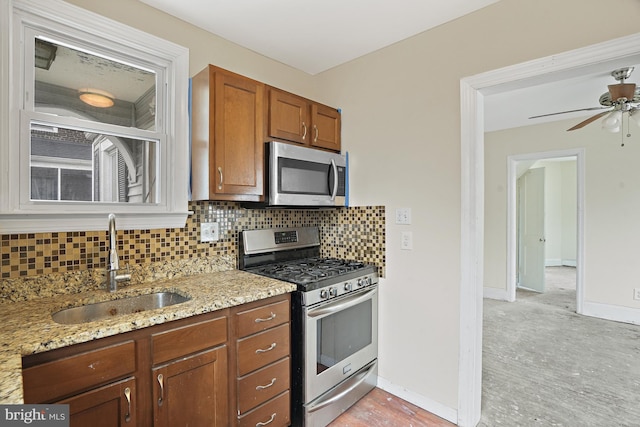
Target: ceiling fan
column 621, row 97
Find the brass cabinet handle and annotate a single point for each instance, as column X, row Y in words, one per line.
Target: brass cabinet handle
column 262, row 387
column 161, row 382
column 316, row 137
column 273, row 417
column 220, row 172
column 271, row 347
column 304, row 130
column 266, row 319
column 127, row 395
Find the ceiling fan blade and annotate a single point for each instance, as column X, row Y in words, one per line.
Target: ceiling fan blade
column 622, row 90
column 568, row 111
column 589, row 120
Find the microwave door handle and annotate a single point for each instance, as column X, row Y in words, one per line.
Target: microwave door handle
column 334, row 191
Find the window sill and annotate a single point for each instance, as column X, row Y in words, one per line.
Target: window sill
column 46, row 223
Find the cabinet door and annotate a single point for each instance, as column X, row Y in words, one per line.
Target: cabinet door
column 113, row 405
column 325, row 131
column 288, row 117
column 192, row 391
column 238, row 154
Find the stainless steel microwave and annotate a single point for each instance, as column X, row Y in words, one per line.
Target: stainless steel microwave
column 302, row 176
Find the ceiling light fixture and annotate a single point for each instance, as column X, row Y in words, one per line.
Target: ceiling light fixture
column 96, row 97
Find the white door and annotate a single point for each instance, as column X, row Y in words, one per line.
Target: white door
column 531, row 230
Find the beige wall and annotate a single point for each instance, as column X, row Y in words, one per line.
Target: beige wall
column 612, row 198
column 401, row 125
column 401, row 112
column 560, row 217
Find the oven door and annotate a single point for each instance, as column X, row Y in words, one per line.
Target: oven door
column 341, row 338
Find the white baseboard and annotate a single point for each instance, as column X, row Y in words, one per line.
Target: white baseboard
column 569, row 263
column 425, row 403
column 611, row 312
column 495, row 293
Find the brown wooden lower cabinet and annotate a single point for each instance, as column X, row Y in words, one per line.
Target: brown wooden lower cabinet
column 262, row 363
column 192, row 391
column 181, row 373
column 110, row 406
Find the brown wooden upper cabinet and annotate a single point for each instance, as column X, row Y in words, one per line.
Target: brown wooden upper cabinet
column 296, row 119
column 227, row 132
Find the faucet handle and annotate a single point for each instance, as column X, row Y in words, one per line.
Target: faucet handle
column 126, row 276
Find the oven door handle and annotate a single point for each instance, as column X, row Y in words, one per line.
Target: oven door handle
column 341, row 305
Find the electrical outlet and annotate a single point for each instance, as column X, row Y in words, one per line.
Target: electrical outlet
column 406, row 240
column 403, row 216
column 209, row 232
column 636, row 293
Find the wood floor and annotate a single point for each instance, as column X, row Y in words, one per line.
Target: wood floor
column 379, row 408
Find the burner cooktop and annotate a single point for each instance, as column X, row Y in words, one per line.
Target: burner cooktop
column 293, row 255
column 310, row 270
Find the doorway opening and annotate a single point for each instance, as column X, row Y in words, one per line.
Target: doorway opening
column 472, row 91
column 545, row 219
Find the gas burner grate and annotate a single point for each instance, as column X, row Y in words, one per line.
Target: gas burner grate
column 308, row 270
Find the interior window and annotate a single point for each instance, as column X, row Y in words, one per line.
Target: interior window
column 98, row 122
column 73, row 83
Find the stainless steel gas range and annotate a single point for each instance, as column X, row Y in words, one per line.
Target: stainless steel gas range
column 334, row 324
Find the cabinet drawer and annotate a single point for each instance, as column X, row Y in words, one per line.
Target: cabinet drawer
column 262, row 385
column 262, row 318
column 188, row 339
column 274, row 413
column 60, row 378
column 261, row 349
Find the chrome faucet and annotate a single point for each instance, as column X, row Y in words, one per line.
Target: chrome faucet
column 114, row 263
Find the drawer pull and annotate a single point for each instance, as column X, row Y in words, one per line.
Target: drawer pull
column 304, row 132
column 273, row 417
column 264, row 350
column 266, row 319
column 161, row 382
column 316, row 137
column 127, row 395
column 262, row 387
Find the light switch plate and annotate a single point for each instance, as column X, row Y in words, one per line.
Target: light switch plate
column 403, row 216
column 406, row 240
column 209, row 232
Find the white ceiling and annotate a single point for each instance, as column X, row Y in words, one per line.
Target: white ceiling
column 315, row 36
column 570, row 90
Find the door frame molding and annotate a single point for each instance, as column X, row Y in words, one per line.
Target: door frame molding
column 472, row 91
column 512, row 217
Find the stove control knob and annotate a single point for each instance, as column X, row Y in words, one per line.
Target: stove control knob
column 324, row 294
column 333, row 292
column 348, row 286
column 360, row 283
column 367, row 281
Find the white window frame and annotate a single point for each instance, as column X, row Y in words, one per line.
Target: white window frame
column 19, row 19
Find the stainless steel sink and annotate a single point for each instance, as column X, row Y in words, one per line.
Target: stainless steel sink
column 108, row 309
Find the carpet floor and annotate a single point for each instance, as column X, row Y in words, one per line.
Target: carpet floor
column 545, row 365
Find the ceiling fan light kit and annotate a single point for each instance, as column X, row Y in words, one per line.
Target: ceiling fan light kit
column 620, row 99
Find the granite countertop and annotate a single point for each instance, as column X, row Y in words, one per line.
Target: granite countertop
column 27, row 327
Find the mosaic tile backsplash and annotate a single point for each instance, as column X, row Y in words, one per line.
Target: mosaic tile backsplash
column 78, row 260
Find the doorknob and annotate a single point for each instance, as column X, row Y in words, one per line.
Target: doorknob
column 542, row 239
